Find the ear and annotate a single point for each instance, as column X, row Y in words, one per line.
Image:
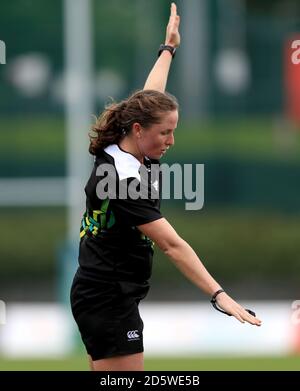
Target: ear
column 137, row 129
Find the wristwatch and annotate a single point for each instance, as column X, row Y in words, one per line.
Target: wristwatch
column 171, row 49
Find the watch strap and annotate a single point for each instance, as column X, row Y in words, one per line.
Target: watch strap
column 170, row 48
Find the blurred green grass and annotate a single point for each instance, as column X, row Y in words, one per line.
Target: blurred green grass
column 32, row 136
column 241, row 138
column 249, row 242
column 79, row 363
column 265, row 138
column 215, row 234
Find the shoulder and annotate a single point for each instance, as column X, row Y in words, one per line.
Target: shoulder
column 127, row 166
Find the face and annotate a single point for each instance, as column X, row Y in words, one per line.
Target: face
column 153, row 142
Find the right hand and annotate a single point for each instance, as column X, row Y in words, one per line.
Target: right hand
column 232, row 307
column 172, row 35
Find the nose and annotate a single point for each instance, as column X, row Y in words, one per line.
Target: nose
column 171, row 140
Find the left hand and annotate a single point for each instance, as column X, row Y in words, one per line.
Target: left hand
column 172, row 35
column 232, row 307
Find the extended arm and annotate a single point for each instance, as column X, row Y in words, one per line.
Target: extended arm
column 158, row 76
column 184, row 257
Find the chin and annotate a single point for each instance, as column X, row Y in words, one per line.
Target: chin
column 155, row 156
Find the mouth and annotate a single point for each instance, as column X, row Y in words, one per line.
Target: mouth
column 164, row 150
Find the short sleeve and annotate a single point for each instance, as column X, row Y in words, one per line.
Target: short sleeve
column 136, row 212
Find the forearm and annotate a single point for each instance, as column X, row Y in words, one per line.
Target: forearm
column 187, row 261
column 158, row 76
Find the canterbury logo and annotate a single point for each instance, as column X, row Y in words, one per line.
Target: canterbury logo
column 133, row 334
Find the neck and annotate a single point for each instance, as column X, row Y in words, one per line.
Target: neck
column 129, row 146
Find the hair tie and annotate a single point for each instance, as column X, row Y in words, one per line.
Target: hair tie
column 93, row 134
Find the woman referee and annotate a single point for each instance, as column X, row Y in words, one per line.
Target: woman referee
column 118, row 233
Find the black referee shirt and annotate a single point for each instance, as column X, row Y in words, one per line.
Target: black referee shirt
column 111, row 246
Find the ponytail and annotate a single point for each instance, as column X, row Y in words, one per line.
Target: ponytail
column 108, row 128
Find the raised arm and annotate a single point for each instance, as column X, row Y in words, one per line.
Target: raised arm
column 158, row 76
column 187, row 261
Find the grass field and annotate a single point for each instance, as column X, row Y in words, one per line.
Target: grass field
column 242, row 137
column 79, row 363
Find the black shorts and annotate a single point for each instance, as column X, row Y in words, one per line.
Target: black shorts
column 107, row 316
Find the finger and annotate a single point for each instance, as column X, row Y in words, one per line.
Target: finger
column 251, row 319
column 256, row 321
column 238, row 317
column 177, row 21
column 246, row 316
column 243, row 316
column 173, row 10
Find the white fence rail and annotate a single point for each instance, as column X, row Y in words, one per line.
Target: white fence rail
column 33, row 191
column 177, row 329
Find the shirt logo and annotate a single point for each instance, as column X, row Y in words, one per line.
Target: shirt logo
column 133, row 335
column 155, row 185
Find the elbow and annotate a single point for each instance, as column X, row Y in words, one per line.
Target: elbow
column 172, row 248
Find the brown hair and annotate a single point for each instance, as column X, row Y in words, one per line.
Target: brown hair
column 144, row 107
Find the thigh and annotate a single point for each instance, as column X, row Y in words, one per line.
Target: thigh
column 129, row 362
